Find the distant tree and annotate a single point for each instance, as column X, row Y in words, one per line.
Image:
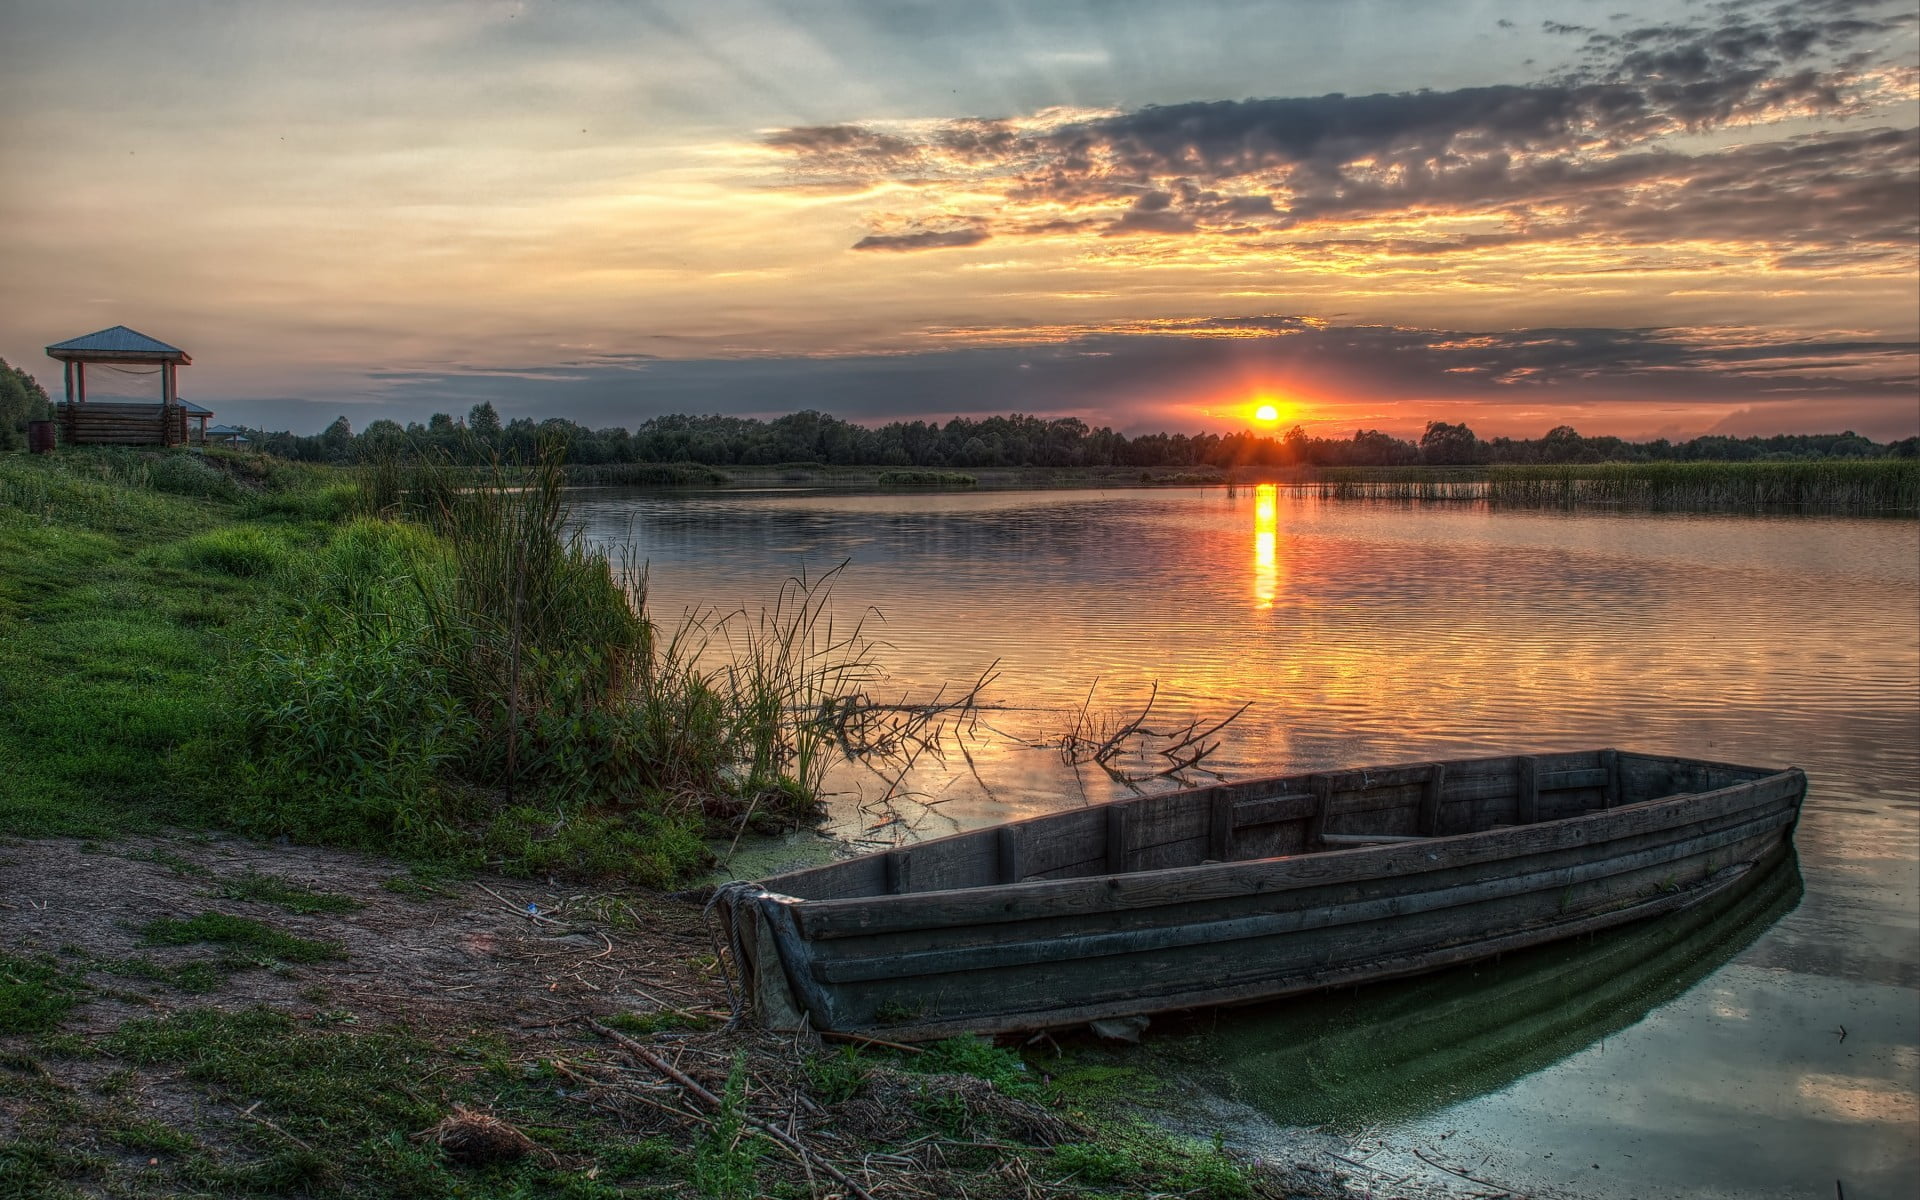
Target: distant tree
column 336, row 441
column 484, row 421
column 1563, row 444
column 1449, row 445
column 22, row 399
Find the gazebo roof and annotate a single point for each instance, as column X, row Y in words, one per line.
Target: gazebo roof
column 118, row 344
column 192, row 408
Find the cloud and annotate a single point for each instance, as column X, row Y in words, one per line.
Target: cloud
column 1159, row 373
column 1656, row 134
column 929, row 239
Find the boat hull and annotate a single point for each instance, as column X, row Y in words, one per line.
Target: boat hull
column 982, row 957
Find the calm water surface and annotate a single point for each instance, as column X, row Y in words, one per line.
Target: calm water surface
column 1711, row 1062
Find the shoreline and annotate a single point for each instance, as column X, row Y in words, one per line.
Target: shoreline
column 152, row 1061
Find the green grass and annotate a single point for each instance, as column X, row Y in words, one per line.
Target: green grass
column 245, row 939
column 232, row 642
column 332, row 1114
column 285, row 894
column 35, row 994
column 109, row 646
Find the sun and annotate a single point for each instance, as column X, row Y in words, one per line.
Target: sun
column 1268, row 410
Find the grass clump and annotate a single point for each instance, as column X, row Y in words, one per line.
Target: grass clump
column 725, row 1156
column 466, row 680
column 242, row 551
column 935, row 480
column 245, row 939
column 285, row 894
column 981, row 1058
column 35, row 994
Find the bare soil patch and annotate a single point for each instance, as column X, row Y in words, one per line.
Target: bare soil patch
column 509, row 955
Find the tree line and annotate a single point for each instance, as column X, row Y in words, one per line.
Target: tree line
column 22, row 399
column 1000, row 441
column 1012, row 441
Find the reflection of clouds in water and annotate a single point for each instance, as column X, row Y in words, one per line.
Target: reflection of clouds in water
column 1854, row 1098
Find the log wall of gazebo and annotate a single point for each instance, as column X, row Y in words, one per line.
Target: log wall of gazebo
column 122, row 423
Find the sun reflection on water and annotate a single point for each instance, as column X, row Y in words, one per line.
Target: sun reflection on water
column 1266, row 545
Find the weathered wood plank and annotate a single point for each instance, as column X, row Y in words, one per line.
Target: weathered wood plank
column 1308, row 895
column 1220, row 824
column 967, row 860
column 1430, row 799
column 1290, row 806
column 1556, row 781
column 831, row 918
column 1369, row 778
column 1012, row 869
column 1526, row 792
column 1426, row 959
column 1118, row 834
column 1387, row 796
column 1321, row 788
column 1371, row 839
column 1282, row 956
column 1175, row 934
column 1479, row 787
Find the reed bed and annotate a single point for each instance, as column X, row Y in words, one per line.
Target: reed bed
column 1834, row 486
column 461, row 660
column 1841, row 486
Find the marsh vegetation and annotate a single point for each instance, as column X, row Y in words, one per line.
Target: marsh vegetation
column 413, row 660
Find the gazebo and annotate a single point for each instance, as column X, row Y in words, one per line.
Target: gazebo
column 125, row 350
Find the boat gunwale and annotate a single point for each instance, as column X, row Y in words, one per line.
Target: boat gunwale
column 1375, row 971
column 996, row 903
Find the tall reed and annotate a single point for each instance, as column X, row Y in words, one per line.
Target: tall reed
column 554, row 703
column 1826, row 486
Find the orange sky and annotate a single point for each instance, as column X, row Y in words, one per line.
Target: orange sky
column 1519, row 215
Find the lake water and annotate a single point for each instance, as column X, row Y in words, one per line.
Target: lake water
column 1701, row 1062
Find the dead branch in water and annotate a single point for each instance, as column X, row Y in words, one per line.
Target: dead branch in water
column 1110, row 744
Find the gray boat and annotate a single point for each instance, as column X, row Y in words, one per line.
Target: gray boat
column 1248, row 891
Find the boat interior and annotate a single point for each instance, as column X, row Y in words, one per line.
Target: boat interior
column 1274, row 817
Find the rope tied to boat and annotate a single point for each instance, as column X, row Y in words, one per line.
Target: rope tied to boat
column 722, row 925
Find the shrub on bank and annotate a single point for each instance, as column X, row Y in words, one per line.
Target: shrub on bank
column 466, row 677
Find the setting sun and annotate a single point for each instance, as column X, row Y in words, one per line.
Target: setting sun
column 1268, row 411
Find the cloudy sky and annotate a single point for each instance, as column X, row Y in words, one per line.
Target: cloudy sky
column 1637, row 218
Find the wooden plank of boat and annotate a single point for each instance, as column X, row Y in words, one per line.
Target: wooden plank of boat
column 1182, row 900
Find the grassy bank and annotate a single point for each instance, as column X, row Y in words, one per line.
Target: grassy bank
column 388, row 660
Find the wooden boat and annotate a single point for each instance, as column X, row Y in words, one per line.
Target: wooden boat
column 1247, row 891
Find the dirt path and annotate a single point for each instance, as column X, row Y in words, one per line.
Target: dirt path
column 454, row 953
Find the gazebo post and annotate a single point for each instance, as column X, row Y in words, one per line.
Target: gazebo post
column 80, row 373
column 166, row 406
column 69, row 365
